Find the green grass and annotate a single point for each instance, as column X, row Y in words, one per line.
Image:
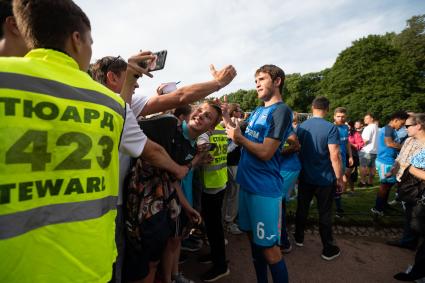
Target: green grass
column 357, row 210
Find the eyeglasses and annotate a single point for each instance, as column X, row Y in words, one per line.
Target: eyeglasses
column 407, row 126
column 111, row 63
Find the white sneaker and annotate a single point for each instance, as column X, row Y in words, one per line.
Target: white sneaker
column 376, row 212
column 234, row 229
column 179, row 278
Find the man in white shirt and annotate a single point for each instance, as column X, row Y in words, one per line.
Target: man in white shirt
column 367, row 154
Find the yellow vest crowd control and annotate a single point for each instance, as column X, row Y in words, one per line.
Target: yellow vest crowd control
column 215, row 174
column 60, row 133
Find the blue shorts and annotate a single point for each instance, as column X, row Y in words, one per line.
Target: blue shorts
column 383, row 169
column 261, row 216
column 289, row 180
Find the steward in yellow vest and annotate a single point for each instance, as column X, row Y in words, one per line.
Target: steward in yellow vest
column 215, row 173
column 60, row 133
column 214, row 181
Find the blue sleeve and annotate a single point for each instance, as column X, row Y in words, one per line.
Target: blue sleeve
column 389, row 132
column 300, row 133
column 280, row 122
column 333, row 137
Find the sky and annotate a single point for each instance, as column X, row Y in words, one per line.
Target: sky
column 300, row 36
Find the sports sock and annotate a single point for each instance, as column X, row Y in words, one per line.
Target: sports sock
column 260, row 264
column 279, row 272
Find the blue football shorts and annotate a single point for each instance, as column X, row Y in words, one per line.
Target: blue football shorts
column 261, row 216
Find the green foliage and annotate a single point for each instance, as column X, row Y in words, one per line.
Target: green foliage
column 247, row 99
column 378, row 73
column 300, row 91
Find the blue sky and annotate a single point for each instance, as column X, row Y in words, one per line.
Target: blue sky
column 300, row 36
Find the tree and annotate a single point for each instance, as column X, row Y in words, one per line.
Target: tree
column 371, row 76
column 300, row 90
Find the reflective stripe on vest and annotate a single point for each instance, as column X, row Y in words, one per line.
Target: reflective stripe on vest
column 21, row 222
column 45, row 86
column 60, row 133
column 215, row 174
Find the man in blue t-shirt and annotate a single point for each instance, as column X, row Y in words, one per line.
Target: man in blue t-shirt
column 258, row 174
column 321, row 174
column 340, row 115
column 387, row 152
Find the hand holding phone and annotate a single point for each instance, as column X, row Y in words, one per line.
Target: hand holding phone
column 133, row 65
column 157, row 63
column 207, row 147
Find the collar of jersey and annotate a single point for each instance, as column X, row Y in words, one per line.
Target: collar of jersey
column 186, row 133
column 53, row 56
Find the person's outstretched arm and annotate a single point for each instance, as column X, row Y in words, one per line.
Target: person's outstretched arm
column 190, row 93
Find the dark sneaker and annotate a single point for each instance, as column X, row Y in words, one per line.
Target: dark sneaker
column 330, row 253
column 205, row 259
column 298, row 241
column 402, row 276
column 191, row 245
column 215, row 273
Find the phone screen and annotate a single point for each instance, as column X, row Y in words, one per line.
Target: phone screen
column 207, row 147
column 159, row 62
column 212, row 146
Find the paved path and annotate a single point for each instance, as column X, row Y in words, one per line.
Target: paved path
column 363, row 259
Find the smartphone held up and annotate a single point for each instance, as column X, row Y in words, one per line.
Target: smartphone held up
column 157, row 63
column 207, row 147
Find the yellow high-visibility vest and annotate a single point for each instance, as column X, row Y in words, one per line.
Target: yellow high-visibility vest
column 60, row 133
column 215, row 173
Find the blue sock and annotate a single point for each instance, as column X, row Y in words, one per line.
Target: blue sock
column 279, row 272
column 260, row 263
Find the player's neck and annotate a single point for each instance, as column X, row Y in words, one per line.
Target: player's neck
column 276, row 98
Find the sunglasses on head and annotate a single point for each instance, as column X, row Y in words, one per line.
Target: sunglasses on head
column 111, row 63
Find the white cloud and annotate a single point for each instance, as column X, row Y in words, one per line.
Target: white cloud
column 300, row 36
